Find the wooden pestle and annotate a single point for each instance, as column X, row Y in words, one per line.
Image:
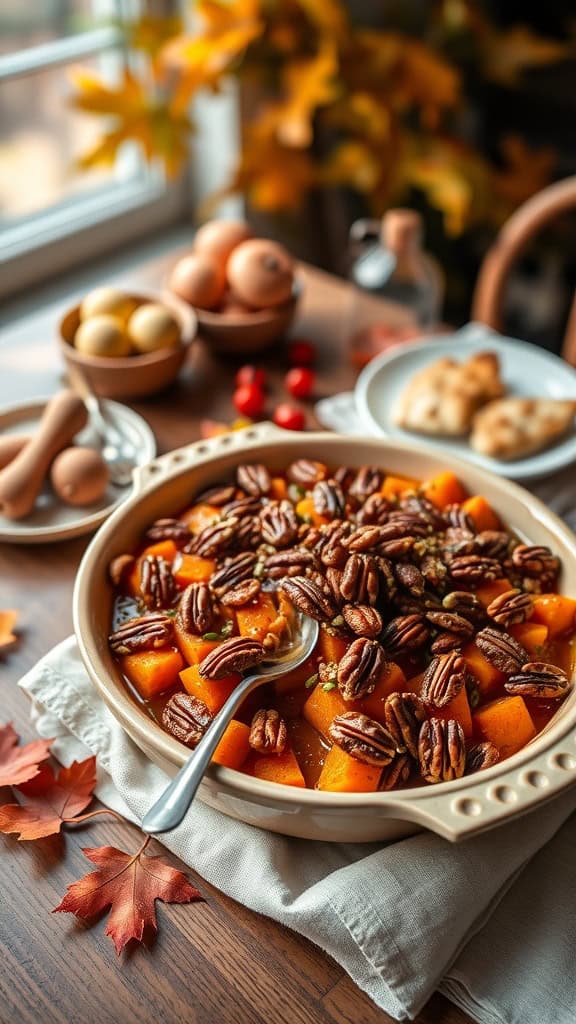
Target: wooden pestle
column 21, row 480
column 10, row 446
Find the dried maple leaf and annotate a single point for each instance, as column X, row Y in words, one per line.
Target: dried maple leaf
column 129, row 884
column 51, row 800
column 8, row 620
column 19, row 764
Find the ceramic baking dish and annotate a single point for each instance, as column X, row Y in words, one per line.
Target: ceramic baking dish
column 456, row 809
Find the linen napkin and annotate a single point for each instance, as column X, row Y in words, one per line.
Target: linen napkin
column 496, row 935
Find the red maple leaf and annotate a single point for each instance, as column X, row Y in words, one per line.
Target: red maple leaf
column 19, row 764
column 51, row 800
column 128, row 884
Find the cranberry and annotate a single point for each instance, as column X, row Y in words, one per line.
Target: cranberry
column 288, row 416
column 249, row 400
column 301, row 353
column 250, row 375
column 299, row 382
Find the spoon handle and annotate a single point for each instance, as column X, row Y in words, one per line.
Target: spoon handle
column 174, row 802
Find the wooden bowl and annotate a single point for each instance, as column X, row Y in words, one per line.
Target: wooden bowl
column 244, row 333
column 131, row 376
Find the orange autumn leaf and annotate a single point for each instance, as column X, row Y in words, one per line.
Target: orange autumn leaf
column 51, row 800
column 8, row 620
column 19, row 764
column 128, row 884
column 329, row 16
column 226, row 29
column 506, row 55
column 272, row 176
column 352, row 163
column 307, row 85
column 526, row 171
column 151, row 32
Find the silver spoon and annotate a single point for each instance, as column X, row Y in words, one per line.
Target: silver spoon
column 172, row 805
column 116, row 449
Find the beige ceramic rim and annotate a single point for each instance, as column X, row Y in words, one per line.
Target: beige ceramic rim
column 455, row 810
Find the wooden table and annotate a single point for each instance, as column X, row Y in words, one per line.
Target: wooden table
column 216, row 962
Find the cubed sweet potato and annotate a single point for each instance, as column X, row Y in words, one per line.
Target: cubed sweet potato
column 481, row 513
column 532, row 635
column 165, row 549
column 393, row 680
column 506, row 723
column 192, row 569
column 458, row 708
column 489, row 679
column 281, row 768
column 214, row 692
column 193, row 648
column 332, row 648
column 259, row 618
column 556, row 611
column 295, row 679
column 344, row 774
column 322, row 707
column 199, row 516
column 486, row 592
column 394, row 486
column 152, row 672
column 305, row 510
column 279, row 488
column 234, row 747
column 444, row 489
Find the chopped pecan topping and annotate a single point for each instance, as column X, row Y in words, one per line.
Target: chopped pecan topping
column 278, row 523
column 492, row 543
column 157, row 584
column 268, row 732
column 374, row 511
column 306, row 472
column 396, row 773
column 433, row 570
column 458, row 542
column 441, row 750
column 501, row 650
column 293, row 562
column 424, row 507
column 242, row 593
column 214, row 539
column 538, row 679
column 309, row 598
column 233, row 655
column 475, row 568
column 145, row 633
column 463, row 603
column 219, row 495
column 511, row 607
column 360, row 669
column 446, row 642
column 535, row 560
column 196, row 612
column 362, row 619
column 234, row 570
column 410, row 577
column 443, row 679
column 329, row 499
column 457, row 516
column 254, row 479
column 169, row 529
column 452, row 622
column 119, row 568
column 363, row 738
column 481, row 755
column 186, row 717
column 360, row 579
column 404, row 633
column 368, row 479
column 403, row 715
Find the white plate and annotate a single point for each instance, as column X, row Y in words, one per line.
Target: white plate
column 527, row 371
column 51, row 520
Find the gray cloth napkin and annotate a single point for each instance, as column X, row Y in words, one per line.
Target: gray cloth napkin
column 402, row 919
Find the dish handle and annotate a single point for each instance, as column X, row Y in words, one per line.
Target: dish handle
column 175, row 462
column 492, row 797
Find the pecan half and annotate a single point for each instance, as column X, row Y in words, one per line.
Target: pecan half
column 481, row 755
column 403, row 716
column 418, row 503
column 396, row 773
column 309, row 598
column 119, row 568
column 474, row 568
column 410, row 577
column 362, row 619
column 247, row 535
column 242, row 508
column 268, row 732
column 331, row 544
column 492, row 543
column 443, row 679
column 501, row 650
column 145, row 633
column 328, row 499
column 254, row 479
column 446, row 642
column 169, row 529
column 234, row 570
column 278, row 523
column 196, row 612
column 441, row 750
column 458, row 542
column 411, row 523
column 333, row 580
column 157, row 584
column 363, row 738
column 511, row 607
column 451, row 622
column 374, row 511
column 186, row 717
column 535, row 560
column 242, row 593
column 464, row 604
column 538, row 679
column 219, row 495
column 214, row 539
column 360, row 669
column 293, row 562
column 306, row 472
column 368, row 479
column 457, row 516
column 388, row 540
column 360, row 579
column 433, row 570
column 233, row 655
column 404, row 633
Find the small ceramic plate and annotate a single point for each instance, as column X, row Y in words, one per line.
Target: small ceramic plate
column 51, row 520
column 527, row 371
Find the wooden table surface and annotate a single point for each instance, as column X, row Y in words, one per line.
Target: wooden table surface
column 214, row 962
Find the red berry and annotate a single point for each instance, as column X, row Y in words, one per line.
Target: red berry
column 250, row 375
column 288, row 416
column 301, row 353
column 249, row 400
column 299, row 382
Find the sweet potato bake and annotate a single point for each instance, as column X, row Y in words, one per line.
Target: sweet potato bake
column 444, row 645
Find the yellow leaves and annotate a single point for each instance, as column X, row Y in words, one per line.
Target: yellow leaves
column 328, row 15
column 150, row 33
column 526, row 172
column 307, row 84
column 8, row 620
column 227, row 29
column 507, row 54
column 273, row 177
column 451, row 176
column 354, row 164
column 428, row 81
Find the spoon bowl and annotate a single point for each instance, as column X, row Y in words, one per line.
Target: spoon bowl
column 168, row 811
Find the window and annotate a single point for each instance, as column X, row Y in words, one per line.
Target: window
column 52, row 214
